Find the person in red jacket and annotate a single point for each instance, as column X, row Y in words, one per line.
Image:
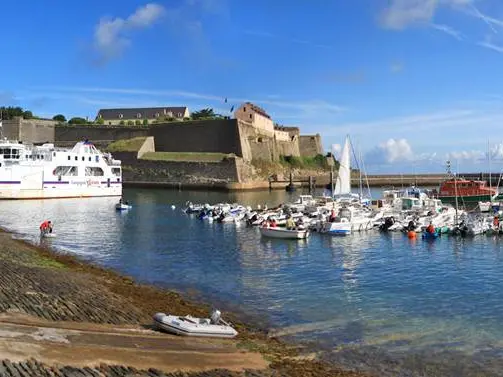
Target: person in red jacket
column 46, row 227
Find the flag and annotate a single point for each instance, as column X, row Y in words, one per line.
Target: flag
column 232, row 109
column 226, row 100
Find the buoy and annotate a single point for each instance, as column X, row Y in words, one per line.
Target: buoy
column 412, row 235
column 173, row 206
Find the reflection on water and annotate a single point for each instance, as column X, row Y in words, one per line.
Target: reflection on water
column 366, row 292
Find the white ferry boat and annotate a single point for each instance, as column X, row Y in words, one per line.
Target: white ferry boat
column 38, row 172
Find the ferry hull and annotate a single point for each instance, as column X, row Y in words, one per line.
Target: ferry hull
column 49, row 193
column 465, row 199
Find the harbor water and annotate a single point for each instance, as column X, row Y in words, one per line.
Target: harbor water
column 372, row 301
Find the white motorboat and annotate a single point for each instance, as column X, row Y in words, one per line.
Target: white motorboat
column 122, row 206
column 284, row 233
column 340, row 228
column 192, row 326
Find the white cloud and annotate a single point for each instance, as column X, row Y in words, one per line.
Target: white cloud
column 336, row 150
column 472, row 156
column 448, row 30
column 401, row 14
column 490, row 44
column 110, row 37
column 389, row 152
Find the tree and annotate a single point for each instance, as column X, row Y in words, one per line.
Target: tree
column 78, row 120
column 27, row 114
column 207, row 113
column 145, row 122
column 130, row 123
column 100, row 121
column 11, row 112
column 122, row 123
column 59, row 118
column 137, row 122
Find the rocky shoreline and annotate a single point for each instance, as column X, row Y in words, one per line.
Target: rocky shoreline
column 103, row 318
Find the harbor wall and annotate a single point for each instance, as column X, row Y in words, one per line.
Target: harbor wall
column 99, row 135
column 310, row 145
column 29, row 130
column 209, row 175
column 215, row 136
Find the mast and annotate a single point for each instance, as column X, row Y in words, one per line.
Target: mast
column 455, row 189
column 489, row 157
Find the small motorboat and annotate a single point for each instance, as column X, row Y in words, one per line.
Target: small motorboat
column 430, row 236
column 284, row 233
column 122, row 206
column 47, row 234
column 192, row 326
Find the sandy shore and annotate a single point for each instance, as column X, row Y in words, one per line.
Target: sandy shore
column 63, row 317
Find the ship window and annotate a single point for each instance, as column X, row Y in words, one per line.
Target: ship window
column 83, row 158
column 94, row 171
column 90, row 158
column 116, row 171
column 97, row 158
column 65, row 170
column 76, row 158
column 69, row 158
column 54, row 154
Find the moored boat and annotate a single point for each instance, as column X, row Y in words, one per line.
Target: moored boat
column 193, row 326
column 466, row 191
column 123, row 206
column 284, row 233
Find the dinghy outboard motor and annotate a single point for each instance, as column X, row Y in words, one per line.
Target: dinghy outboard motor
column 215, row 317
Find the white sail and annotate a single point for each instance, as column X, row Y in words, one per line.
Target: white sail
column 343, row 183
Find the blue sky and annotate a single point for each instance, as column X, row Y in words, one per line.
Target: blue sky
column 414, row 82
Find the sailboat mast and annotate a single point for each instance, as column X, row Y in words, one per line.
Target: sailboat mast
column 489, row 157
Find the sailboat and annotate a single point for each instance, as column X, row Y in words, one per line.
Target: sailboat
column 352, row 216
column 342, row 191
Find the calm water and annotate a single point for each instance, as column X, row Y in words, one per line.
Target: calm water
column 372, row 301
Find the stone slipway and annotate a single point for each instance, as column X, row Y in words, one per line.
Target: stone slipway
column 62, row 317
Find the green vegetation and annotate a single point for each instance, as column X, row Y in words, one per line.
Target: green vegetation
column 184, row 156
column 205, row 114
column 100, row 121
column 59, row 118
column 129, row 145
column 145, row 122
column 78, row 120
column 316, row 162
column 10, row 112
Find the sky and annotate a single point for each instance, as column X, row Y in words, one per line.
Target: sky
column 413, row 82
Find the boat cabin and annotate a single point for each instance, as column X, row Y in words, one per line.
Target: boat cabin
column 465, row 187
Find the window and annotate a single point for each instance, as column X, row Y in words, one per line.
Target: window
column 179, row 115
column 90, row 158
column 116, row 171
column 138, row 115
column 121, row 116
column 54, row 154
column 83, row 158
column 76, row 158
column 244, row 109
column 94, row 171
column 69, row 158
column 250, row 116
column 65, row 171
